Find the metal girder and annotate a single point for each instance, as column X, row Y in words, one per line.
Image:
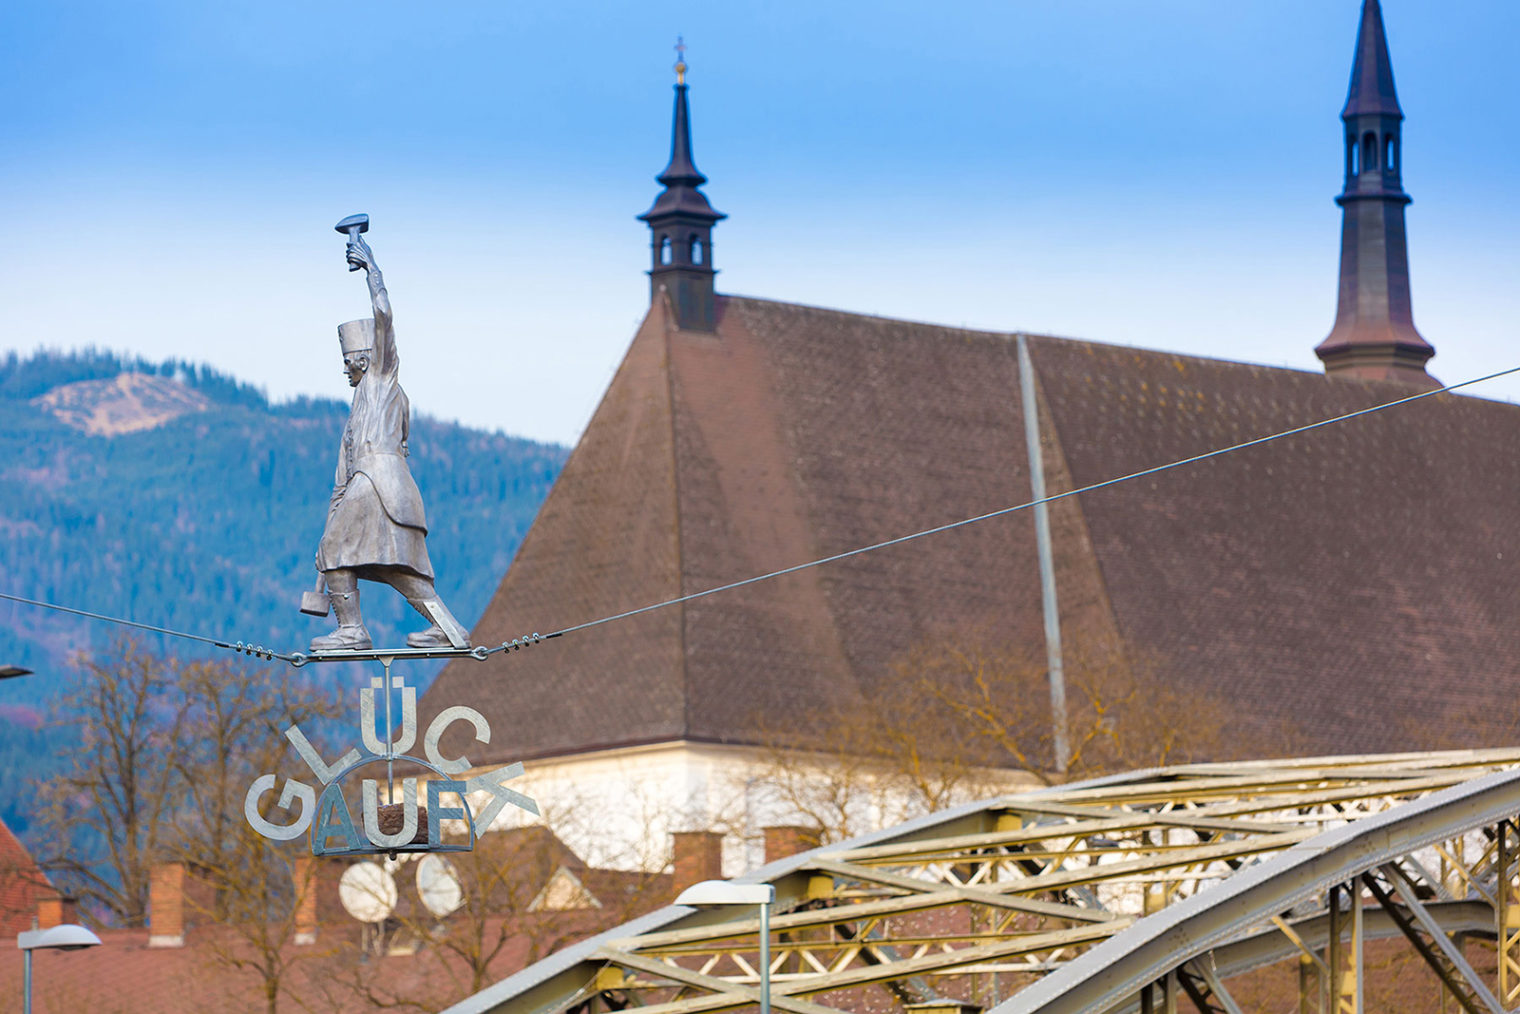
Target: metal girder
column 1203, row 987
column 1431, row 942
column 724, row 994
column 1345, row 956
column 1269, row 945
column 1507, row 895
column 991, row 898
column 1052, row 890
column 1105, row 976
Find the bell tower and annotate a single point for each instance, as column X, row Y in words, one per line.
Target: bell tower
column 1374, row 337
column 680, row 225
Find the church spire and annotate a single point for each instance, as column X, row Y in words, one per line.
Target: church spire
column 680, row 224
column 1374, row 337
column 1372, row 71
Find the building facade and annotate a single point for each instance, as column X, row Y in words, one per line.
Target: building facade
column 1346, row 590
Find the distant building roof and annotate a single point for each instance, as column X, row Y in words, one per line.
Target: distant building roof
column 22, row 884
column 1352, row 580
column 216, row 968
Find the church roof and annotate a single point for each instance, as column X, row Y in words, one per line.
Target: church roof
column 1330, row 581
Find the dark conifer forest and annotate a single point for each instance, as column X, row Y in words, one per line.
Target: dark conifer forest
column 208, row 524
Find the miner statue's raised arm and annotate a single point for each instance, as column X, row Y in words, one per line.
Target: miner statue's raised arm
column 376, row 529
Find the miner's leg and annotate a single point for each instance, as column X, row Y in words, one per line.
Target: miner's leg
column 343, row 593
column 443, row 630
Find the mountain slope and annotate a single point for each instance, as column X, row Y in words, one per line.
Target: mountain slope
column 127, row 403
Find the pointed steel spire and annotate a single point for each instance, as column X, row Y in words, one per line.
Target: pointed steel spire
column 1371, row 91
column 680, row 224
column 1374, row 337
column 681, row 168
column 680, row 176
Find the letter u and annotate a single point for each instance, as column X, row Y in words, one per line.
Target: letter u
column 408, row 722
column 372, row 815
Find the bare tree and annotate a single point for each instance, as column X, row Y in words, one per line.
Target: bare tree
column 167, row 751
column 894, row 753
column 232, row 722
column 966, row 715
column 1123, row 711
column 104, row 821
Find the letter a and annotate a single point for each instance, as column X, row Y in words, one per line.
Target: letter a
column 333, row 819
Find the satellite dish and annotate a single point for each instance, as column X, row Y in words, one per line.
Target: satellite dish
column 367, row 892
column 438, row 885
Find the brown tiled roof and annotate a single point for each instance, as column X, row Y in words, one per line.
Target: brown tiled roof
column 217, row 971
column 1341, row 580
column 1354, row 580
column 627, row 890
column 21, row 885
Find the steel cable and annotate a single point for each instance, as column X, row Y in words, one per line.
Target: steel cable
column 238, row 646
column 299, row 658
column 1033, row 503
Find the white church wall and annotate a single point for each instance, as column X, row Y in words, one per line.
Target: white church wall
column 618, row 808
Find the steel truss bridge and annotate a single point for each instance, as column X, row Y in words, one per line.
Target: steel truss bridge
column 1143, row 892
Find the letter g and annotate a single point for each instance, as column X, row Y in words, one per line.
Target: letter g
column 293, row 791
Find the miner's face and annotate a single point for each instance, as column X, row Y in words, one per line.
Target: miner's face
column 354, row 364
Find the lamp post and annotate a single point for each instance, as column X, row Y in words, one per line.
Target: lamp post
column 710, row 893
column 68, row 937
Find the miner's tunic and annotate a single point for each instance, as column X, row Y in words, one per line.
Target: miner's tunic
column 376, row 518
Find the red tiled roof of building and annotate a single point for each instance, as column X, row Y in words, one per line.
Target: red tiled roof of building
column 216, row 970
column 126, row 976
column 1345, row 581
column 22, row 884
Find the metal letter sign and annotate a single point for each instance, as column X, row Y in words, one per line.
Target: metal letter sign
column 325, row 811
column 376, row 528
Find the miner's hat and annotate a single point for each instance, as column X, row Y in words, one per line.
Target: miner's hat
column 357, row 335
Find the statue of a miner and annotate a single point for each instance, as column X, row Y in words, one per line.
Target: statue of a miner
column 376, row 529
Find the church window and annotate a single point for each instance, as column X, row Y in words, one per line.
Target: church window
column 1369, row 151
column 1351, row 169
column 664, row 249
column 696, row 250
column 1390, row 152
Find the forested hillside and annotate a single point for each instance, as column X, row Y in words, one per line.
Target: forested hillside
column 207, row 523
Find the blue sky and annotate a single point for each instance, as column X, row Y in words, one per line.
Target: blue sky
column 1158, row 174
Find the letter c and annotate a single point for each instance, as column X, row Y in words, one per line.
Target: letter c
column 447, row 717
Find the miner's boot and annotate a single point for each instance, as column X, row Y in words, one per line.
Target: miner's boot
column 445, row 631
column 350, row 635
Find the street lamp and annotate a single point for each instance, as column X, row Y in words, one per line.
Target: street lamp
column 709, row 893
column 68, row 937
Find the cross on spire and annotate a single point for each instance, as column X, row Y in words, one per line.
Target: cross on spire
column 680, row 48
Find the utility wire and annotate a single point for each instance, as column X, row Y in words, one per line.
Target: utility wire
column 1032, row 503
column 247, row 649
column 298, row 659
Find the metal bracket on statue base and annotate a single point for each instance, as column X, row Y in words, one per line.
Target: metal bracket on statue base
column 480, row 652
column 326, row 813
column 384, row 654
